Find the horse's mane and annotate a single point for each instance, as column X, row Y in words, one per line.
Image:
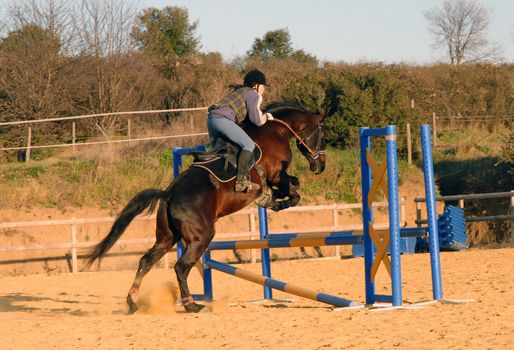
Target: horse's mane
column 281, row 107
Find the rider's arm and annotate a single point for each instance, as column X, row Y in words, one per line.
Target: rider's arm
column 253, row 104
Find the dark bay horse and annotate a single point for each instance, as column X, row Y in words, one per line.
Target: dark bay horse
column 195, row 200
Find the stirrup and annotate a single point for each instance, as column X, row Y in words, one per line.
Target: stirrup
column 245, row 185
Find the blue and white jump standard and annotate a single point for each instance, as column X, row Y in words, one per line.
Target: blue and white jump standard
column 375, row 244
column 375, row 241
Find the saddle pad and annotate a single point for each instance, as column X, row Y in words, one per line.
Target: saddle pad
column 222, row 168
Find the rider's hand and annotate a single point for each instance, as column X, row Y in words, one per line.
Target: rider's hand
column 269, row 116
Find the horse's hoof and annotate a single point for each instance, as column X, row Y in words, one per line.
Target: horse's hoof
column 195, row 308
column 132, row 306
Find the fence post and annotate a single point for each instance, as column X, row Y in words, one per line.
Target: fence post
column 336, row 224
column 434, row 130
column 73, row 138
column 129, row 131
column 418, row 214
column 409, row 145
column 74, row 268
column 29, row 142
column 461, row 203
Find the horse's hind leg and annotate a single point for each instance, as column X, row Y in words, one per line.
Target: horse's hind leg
column 195, row 249
column 164, row 242
column 146, row 263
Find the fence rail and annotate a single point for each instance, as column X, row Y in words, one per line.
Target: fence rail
column 73, row 245
column 87, row 116
column 474, row 196
column 74, row 144
column 59, row 145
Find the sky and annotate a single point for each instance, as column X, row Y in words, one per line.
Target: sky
column 389, row 31
column 336, row 30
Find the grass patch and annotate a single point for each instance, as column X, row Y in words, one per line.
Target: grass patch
column 110, row 182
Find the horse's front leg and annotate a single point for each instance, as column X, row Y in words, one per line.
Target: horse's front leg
column 285, row 194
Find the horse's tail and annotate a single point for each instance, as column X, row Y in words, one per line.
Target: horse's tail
column 144, row 199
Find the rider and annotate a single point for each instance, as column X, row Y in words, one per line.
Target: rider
column 226, row 114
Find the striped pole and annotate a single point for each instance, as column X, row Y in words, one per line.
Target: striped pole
column 265, row 244
column 285, row 287
column 428, row 171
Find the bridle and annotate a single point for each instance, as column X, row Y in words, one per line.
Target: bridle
column 303, row 140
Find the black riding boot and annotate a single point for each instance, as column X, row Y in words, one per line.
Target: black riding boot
column 244, row 164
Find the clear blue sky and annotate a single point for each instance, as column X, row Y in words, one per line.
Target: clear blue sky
column 336, row 30
column 376, row 30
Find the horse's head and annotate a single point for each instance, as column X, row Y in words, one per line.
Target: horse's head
column 309, row 131
column 312, row 144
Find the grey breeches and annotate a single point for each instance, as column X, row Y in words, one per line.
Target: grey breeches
column 225, row 127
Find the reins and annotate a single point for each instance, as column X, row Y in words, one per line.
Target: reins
column 314, row 154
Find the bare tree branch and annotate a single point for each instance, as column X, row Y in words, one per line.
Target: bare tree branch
column 52, row 15
column 104, row 27
column 460, row 27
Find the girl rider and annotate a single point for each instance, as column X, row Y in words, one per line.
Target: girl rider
column 226, row 114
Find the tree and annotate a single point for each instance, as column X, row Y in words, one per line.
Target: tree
column 30, row 84
column 277, row 44
column 103, row 27
column 166, row 32
column 21, row 42
column 55, row 16
column 304, row 57
column 460, row 27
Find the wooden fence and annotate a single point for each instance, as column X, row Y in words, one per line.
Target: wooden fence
column 460, row 198
column 74, row 144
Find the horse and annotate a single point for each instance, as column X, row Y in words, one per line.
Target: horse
column 195, row 200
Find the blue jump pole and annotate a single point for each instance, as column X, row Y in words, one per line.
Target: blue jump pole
column 279, row 285
column 367, row 216
column 394, row 214
column 207, row 276
column 265, row 257
column 389, row 132
column 433, row 234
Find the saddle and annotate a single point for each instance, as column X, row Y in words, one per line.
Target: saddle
column 221, row 161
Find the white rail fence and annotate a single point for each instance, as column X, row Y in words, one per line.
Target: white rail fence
column 74, row 142
column 73, row 244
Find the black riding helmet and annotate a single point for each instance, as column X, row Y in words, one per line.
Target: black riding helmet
column 253, row 77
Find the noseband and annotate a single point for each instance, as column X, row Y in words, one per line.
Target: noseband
column 303, row 140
